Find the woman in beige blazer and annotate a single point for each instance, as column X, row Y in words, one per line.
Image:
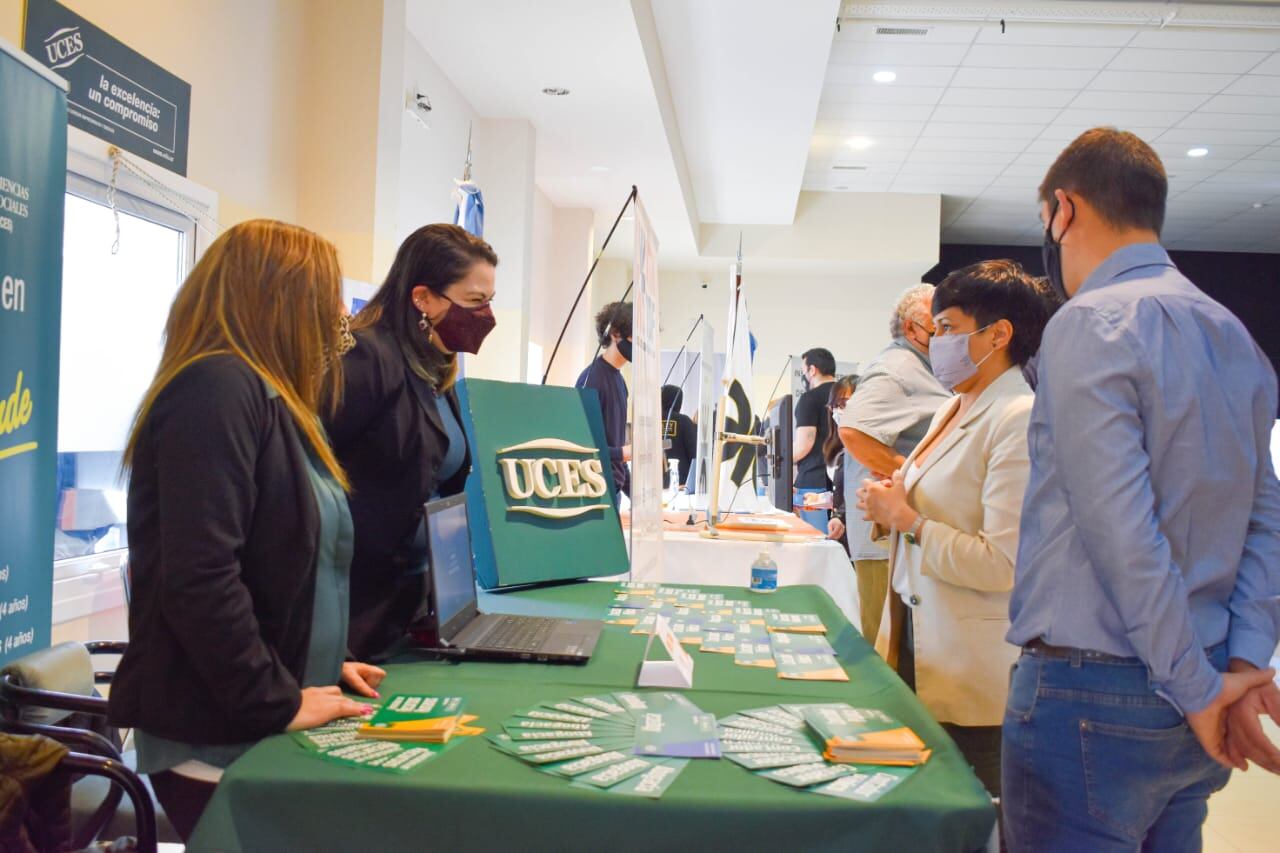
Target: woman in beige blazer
column 954, row 507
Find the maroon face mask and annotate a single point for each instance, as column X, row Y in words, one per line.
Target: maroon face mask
column 464, row 329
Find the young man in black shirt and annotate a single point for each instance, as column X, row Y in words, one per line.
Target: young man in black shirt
column 811, row 430
column 613, row 326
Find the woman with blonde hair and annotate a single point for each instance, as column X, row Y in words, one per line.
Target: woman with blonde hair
column 239, row 534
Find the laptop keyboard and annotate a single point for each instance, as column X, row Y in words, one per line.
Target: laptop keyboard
column 518, row 633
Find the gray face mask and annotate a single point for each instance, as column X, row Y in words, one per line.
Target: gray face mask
column 949, row 357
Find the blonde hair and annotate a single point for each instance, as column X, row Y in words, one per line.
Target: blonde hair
column 271, row 294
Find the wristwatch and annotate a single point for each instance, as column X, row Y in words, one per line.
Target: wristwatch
column 913, row 535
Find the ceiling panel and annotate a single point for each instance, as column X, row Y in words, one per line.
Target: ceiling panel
column 1161, row 81
column 884, row 94
column 1009, row 145
column 1026, row 78
column 994, row 115
column 1243, row 104
column 897, row 54
column 1234, row 121
column 1062, row 35
column 1212, row 61
column 861, row 75
column 1005, row 98
column 1269, row 66
column 1122, row 100
column 1038, row 57
column 978, row 130
column 1204, row 136
column 1254, row 84
column 1208, row 39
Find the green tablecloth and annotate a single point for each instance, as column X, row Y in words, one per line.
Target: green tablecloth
column 473, row 797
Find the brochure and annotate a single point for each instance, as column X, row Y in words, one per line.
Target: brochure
column 409, row 717
column 865, row 736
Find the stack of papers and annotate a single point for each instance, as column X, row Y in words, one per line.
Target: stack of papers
column 341, row 742
column 794, row 645
column 777, row 744
column 864, row 736
column 419, row 719
column 633, row 744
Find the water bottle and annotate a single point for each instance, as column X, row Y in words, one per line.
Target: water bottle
column 764, row 574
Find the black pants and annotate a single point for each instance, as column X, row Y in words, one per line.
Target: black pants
column 980, row 745
column 182, row 799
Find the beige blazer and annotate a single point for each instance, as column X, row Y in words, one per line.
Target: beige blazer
column 961, row 574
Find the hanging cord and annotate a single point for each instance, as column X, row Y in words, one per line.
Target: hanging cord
column 630, row 198
column 200, row 217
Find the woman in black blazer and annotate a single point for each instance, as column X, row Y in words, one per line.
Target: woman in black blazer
column 398, row 432
column 239, row 537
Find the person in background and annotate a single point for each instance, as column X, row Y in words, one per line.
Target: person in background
column 883, row 421
column 399, row 429
column 604, row 375
column 834, row 455
column 811, row 429
column 953, row 509
column 679, row 429
column 1146, row 597
column 239, row 535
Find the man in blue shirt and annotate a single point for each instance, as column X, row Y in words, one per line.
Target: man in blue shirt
column 613, row 326
column 1147, row 591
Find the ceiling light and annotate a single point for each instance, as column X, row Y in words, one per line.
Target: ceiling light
column 859, row 143
column 884, row 76
column 555, row 90
column 1258, row 205
column 1197, row 152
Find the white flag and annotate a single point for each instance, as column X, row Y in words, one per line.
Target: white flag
column 737, row 467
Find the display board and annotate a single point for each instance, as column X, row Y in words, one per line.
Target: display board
column 33, row 182
column 115, row 93
column 647, row 459
column 541, row 496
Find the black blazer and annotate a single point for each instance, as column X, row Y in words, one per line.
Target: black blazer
column 391, row 441
column 223, row 529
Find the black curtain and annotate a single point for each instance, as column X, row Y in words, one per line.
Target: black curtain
column 1247, row 283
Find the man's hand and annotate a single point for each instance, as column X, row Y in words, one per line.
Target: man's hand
column 835, row 528
column 363, row 678
column 1246, row 741
column 1210, row 724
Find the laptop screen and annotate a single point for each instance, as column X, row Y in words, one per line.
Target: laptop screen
column 452, row 572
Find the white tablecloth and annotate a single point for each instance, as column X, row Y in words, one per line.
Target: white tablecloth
column 690, row 559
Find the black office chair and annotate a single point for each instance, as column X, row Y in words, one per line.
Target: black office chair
column 52, row 692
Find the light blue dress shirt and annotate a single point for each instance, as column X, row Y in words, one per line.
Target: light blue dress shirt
column 1151, row 524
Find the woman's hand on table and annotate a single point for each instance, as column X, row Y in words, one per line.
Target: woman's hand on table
column 885, row 502
column 835, row 528
column 363, row 678
column 322, row 705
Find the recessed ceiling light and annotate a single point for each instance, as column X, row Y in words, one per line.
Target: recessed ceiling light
column 1258, row 205
column 884, row 76
column 1197, row 152
column 859, row 143
column 555, row 90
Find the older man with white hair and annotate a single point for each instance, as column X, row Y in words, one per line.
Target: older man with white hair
column 883, row 421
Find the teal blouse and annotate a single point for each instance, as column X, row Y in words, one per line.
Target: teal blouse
column 328, row 645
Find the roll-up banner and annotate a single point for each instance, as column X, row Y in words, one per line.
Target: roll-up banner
column 33, row 182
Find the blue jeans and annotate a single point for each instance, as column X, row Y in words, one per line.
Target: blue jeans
column 1093, row 760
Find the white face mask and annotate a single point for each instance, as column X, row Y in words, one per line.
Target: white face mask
column 949, row 357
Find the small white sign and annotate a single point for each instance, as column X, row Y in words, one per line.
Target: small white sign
column 677, row 672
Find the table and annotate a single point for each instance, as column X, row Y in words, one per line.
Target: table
column 690, row 558
column 475, row 798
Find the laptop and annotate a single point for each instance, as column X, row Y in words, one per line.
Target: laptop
column 454, row 626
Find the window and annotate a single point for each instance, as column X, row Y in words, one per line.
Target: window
column 114, row 308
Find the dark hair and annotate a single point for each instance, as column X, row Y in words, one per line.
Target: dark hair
column 822, row 359
column 1117, row 173
column 672, row 400
column 999, row 290
column 832, row 446
column 434, row 256
column 614, row 317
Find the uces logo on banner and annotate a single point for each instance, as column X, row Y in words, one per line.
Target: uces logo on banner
column 532, row 479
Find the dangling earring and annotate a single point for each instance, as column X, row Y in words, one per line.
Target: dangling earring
column 425, row 324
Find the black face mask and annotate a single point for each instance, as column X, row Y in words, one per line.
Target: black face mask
column 1051, row 254
column 624, row 348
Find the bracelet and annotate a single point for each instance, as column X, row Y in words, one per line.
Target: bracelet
column 913, row 535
